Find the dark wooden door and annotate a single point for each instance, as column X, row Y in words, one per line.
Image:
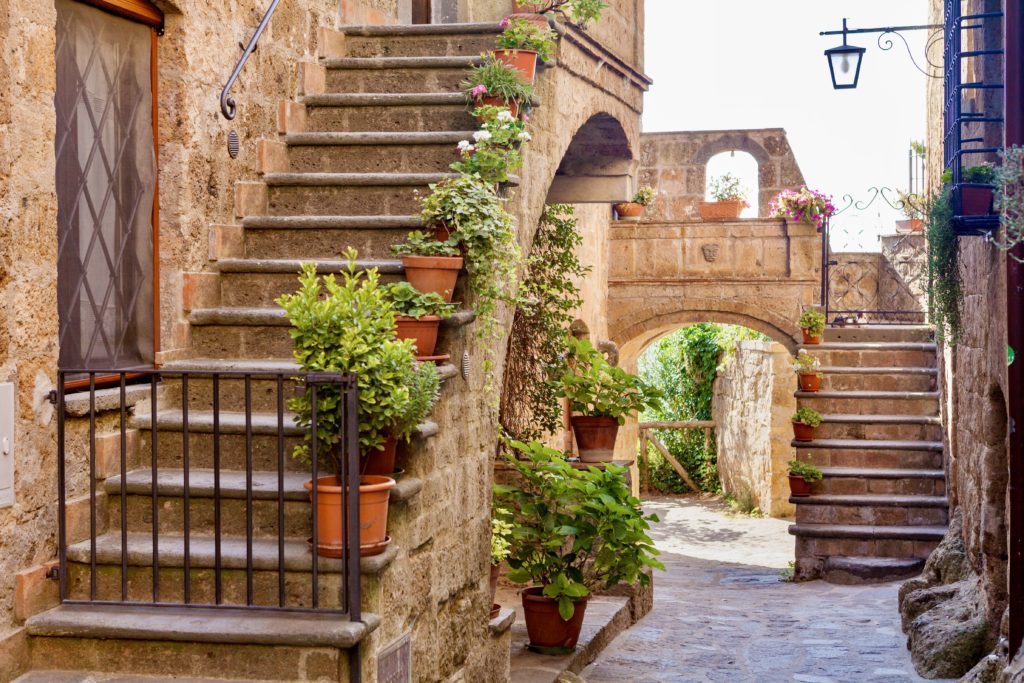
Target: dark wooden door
column 106, row 185
column 421, row 13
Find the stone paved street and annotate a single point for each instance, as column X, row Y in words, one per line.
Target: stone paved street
column 721, row 613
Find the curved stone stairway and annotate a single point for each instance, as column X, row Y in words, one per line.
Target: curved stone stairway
column 375, row 122
column 881, row 508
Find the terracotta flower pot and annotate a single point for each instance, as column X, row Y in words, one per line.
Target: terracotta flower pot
column 810, row 338
column 423, row 332
column 721, row 211
column 545, row 625
column 381, row 462
column 802, row 432
column 595, row 436
column 512, row 105
column 629, row 211
column 910, row 225
column 436, row 274
column 442, row 233
column 810, row 382
column 523, row 61
column 976, row 200
column 799, row 487
column 374, row 493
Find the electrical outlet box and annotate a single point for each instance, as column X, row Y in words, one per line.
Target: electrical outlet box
column 6, row 445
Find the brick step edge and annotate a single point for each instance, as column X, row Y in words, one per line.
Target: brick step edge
column 872, row 500
column 869, row 532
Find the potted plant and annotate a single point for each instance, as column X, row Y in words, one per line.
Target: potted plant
column 805, row 205
column 812, row 325
column 805, row 421
column 501, row 547
column 729, row 199
column 977, row 190
column 580, row 12
column 496, row 83
column 601, row 396
column 801, row 476
column 522, row 43
column 634, row 209
column 493, row 153
column 574, row 531
column 349, row 327
column 431, row 266
column 808, row 369
column 419, row 315
column 912, row 207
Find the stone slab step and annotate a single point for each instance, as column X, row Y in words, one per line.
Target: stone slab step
column 236, row 423
column 410, row 99
column 870, row 445
column 275, row 317
column 311, row 238
column 100, row 677
column 842, row 418
column 881, row 480
column 386, row 63
column 399, row 41
column 869, row 532
column 403, row 112
column 879, row 333
column 355, row 179
column 419, row 30
column 881, row 473
column 881, row 346
column 858, row 570
column 417, row 152
column 328, row 222
column 841, row 370
column 398, row 74
column 293, row 266
column 871, row 395
column 446, row 371
column 201, row 625
column 374, row 139
column 877, row 500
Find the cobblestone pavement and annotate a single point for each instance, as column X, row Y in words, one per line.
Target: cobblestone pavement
column 722, row 614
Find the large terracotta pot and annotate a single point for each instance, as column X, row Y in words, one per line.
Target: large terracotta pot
column 810, row 338
column 512, row 105
column 374, row 493
column 799, row 487
column 802, row 432
column 629, row 211
column 381, row 462
column 810, row 382
column 436, row 274
column 720, row 211
column 523, row 61
column 545, row 625
column 595, row 437
column 423, row 332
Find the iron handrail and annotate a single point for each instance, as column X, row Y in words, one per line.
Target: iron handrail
column 227, row 103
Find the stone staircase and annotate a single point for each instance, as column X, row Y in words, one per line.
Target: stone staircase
column 376, row 121
column 881, row 508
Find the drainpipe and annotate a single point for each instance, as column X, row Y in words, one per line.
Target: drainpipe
column 1014, row 135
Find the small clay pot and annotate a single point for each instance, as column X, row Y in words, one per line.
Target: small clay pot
column 802, row 432
column 595, row 436
column 545, row 625
column 809, row 338
column 629, row 211
column 810, row 382
column 799, row 487
column 380, row 462
column 436, row 274
column 722, row 211
column 374, row 494
column 423, row 332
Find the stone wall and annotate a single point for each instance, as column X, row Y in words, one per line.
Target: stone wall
column 893, row 279
column 676, row 165
column 752, row 405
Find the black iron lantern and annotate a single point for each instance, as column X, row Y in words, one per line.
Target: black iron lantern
column 844, row 63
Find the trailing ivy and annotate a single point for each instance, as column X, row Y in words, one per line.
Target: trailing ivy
column 945, row 291
column 537, row 346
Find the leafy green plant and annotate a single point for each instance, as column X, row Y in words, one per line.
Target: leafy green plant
column 982, row 175
column 645, row 196
column 809, row 472
column 807, row 416
column 520, row 34
column 806, row 364
column 813, row 321
column 494, row 78
column 912, row 205
column 727, row 187
column 348, row 327
column 1010, row 201
column 419, row 244
column 493, row 153
column 546, row 306
column 410, row 302
column 580, row 12
column 596, row 387
column 501, row 536
column 945, row 291
column 744, row 503
column 424, row 383
column 575, row 531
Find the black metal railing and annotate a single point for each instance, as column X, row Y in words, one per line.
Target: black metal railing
column 215, row 439
column 227, row 103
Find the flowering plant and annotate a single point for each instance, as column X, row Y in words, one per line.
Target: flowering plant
column 727, row 187
column 521, row 34
column 496, row 79
column 644, row 196
column 806, row 364
column 581, row 12
column 493, row 153
column 803, row 206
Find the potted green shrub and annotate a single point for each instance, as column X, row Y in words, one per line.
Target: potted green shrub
column 805, row 421
column 912, row 206
column 574, row 531
column 601, row 396
column 501, row 547
column 343, row 327
column 430, row 265
column 633, row 210
column 729, row 199
column 977, row 189
column 493, row 153
column 808, row 370
column 522, row 43
column 496, row 83
column 419, row 316
column 801, row 476
column 812, row 325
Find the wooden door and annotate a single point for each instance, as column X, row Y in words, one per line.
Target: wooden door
column 421, row 12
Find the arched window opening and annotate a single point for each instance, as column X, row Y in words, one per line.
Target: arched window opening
column 742, row 166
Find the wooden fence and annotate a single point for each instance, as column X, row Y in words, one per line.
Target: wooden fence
column 647, row 436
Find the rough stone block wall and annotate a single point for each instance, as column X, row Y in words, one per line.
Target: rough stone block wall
column 752, row 404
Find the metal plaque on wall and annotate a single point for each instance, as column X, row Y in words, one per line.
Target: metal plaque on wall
column 394, row 664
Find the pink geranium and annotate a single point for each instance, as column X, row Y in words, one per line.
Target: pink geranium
column 479, row 91
column 803, row 206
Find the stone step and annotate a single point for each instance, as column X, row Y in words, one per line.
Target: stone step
column 869, row 445
column 923, row 403
column 815, row 543
column 420, row 40
column 871, row 509
column 865, row 355
column 98, row 677
column 403, row 152
column 880, row 333
column 871, row 458
column 866, row 480
column 885, row 427
column 195, row 642
column 316, row 236
column 348, row 193
column 878, row 378
column 398, row 74
column 386, row 112
column 859, row 570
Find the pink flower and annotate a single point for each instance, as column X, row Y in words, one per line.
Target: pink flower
column 479, row 91
column 504, row 23
column 526, row 118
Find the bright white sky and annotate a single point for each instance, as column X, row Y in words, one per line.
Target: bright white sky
column 728, row 64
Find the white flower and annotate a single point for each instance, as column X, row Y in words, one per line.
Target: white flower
column 505, row 115
column 465, row 146
column 481, row 136
column 525, row 136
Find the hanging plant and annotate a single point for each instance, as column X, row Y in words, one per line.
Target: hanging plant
column 945, row 291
